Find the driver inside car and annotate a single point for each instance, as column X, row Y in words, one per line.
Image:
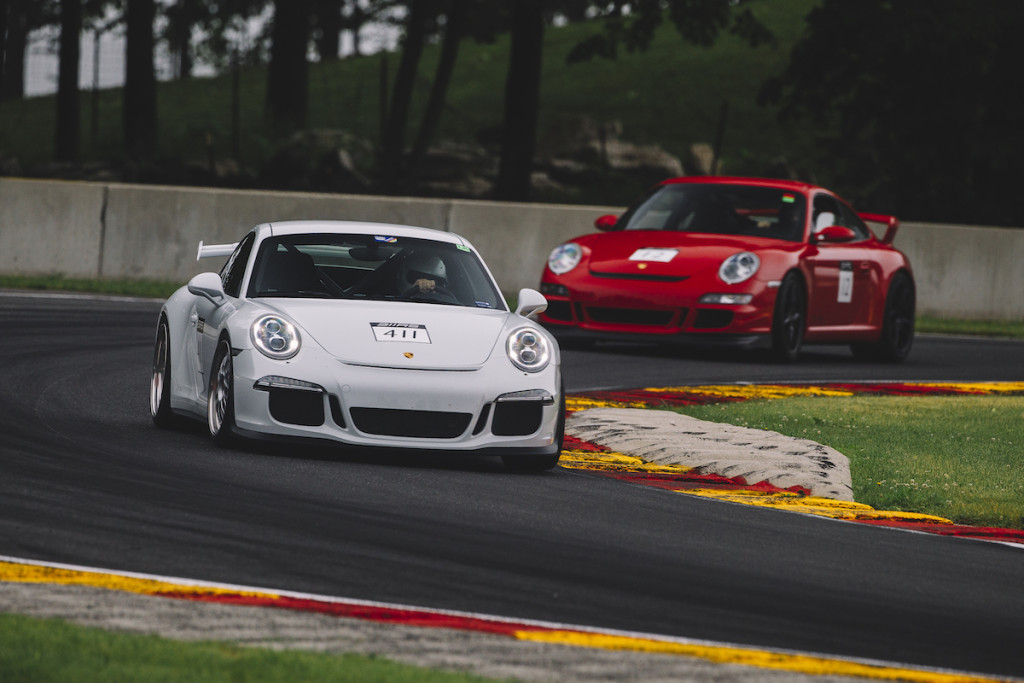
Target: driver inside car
column 424, row 273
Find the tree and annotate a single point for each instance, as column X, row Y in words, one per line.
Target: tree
column 455, row 29
column 522, row 101
column 182, row 17
column 921, row 98
column 3, row 41
column 68, row 133
column 697, row 21
column 23, row 17
column 327, row 28
column 421, row 13
column 288, row 71
column 139, row 94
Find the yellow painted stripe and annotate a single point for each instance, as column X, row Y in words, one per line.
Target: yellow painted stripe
column 765, row 659
column 573, row 403
column 753, row 391
column 815, row 505
column 24, row 573
column 613, row 461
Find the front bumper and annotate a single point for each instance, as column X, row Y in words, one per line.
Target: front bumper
column 672, row 312
column 488, row 410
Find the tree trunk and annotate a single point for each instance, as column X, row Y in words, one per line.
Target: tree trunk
column 393, row 144
column 522, row 102
column 139, row 94
column 454, row 30
column 328, row 20
column 68, row 133
column 182, row 17
column 3, row 41
column 288, row 72
column 14, row 55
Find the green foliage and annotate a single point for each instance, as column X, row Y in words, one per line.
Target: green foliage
column 919, row 97
column 957, row 457
column 39, row 651
column 670, row 95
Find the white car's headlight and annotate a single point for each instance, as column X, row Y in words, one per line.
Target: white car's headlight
column 275, row 337
column 528, row 350
column 565, row 257
column 739, row 267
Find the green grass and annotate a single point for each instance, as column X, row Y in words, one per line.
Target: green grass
column 981, row 328
column 953, row 456
column 670, row 96
column 140, row 288
column 42, row 650
column 161, row 290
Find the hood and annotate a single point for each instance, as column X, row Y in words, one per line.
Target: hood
column 382, row 333
column 658, row 253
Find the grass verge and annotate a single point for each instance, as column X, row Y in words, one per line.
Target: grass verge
column 953, row 456
column 161, row 290
column 141, row 288
column 41, row 650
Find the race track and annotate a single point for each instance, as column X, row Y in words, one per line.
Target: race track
column 86, row 479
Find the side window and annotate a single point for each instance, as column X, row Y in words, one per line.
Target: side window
column 233, row 271
column 826, row 212
column 849, row 218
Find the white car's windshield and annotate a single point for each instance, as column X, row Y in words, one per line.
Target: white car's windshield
column 372, row 267
column 750, row 210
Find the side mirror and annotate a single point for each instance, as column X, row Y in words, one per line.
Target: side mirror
column 606, row 222
column 834, row 234
column 531, row 303
column 208, row 286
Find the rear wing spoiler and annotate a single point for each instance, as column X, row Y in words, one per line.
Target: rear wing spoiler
column 211, row 250
column 891, row 222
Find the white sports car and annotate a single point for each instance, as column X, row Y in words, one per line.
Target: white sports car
column 366, row 334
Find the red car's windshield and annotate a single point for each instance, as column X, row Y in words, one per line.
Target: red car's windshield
column 723, row 209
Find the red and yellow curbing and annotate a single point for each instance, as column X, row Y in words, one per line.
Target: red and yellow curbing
column 25, row 571
column 583, row 455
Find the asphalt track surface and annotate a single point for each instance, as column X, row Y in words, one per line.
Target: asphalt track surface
column 86, row 479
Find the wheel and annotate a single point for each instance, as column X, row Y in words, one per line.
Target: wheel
column 540, row 463
column 789, row 320
column 220, row 407
column 897, row 324
column 160, row 383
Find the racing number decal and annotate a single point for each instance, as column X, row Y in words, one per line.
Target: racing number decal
column 845, row 294
column 400, row 332
column 654, row 254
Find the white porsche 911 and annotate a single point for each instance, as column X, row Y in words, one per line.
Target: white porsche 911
column 366, row 334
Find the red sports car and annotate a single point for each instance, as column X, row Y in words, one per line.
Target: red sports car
column 740, row 261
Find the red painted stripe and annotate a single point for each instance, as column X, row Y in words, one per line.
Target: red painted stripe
column 378, row 613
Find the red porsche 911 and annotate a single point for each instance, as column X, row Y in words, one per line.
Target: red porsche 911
column 740, row 261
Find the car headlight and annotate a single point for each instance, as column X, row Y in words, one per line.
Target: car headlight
column 739, row 267
column 275, row 337
column 565, row 257
column 528, row 350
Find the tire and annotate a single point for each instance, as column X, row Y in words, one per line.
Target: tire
column 540, row 463
column 789, row 320
column 160, row 382
column 897, row 324
column 220, row 405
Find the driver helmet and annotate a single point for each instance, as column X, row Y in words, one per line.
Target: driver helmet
column 427, row 267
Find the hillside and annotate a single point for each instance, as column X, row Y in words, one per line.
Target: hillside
column 671, row 96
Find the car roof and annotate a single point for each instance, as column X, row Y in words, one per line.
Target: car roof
column 794, row 185
column 279, row 228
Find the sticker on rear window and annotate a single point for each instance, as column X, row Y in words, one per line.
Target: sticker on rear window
column 386, row 240
column 652, row 254
column 400, row 332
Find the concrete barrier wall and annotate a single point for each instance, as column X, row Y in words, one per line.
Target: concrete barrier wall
column 151, row 232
